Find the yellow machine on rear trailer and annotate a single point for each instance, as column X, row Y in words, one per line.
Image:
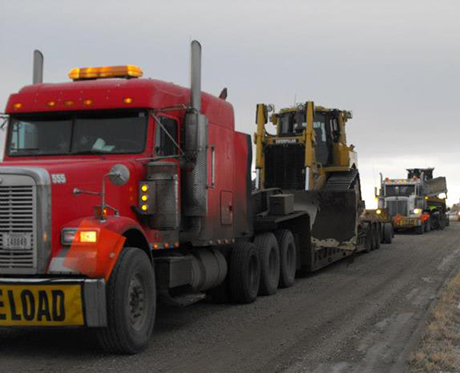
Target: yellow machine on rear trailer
column 308, row 157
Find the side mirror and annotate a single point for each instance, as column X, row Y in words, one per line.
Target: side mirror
column 119, row 175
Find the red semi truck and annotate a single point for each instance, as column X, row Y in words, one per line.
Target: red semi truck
column 116, row 192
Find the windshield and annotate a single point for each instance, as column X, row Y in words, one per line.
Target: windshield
column 78, row 133
column 292, row 123
column 399, row 190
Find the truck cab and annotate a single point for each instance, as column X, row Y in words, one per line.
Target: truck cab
column 414, row 203
column 108, row 179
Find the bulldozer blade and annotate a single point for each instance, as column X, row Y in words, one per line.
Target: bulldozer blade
column 334, row 223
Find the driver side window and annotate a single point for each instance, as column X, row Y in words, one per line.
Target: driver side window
column 164, row 146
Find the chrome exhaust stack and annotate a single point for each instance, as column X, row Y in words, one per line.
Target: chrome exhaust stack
column 38, row 67
column 196, row 143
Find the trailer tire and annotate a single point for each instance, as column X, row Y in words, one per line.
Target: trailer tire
column 269, row 258
column 369, row 241
column 388, row 233
column 244, row 273
column 377, row 237
column 288, row 258
column 130, row 324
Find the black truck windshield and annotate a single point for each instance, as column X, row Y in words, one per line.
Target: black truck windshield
column 80, row 133
column 399, row 190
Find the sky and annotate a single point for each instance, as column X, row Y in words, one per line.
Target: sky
column 394, row 63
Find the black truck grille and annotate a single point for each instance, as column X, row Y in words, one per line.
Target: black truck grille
column 397, row 207
column 285, row 166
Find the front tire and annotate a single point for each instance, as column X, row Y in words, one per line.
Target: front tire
column 131, row 304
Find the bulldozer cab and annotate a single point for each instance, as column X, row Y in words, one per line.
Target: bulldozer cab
column 325, row 125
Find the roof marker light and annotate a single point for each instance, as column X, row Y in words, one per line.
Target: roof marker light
column 128, row 100
column 87, row 102
column 84, row 73
column 17, row 106
column 51, row 103
column 68, row 103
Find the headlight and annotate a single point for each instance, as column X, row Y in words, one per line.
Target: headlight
column 378, row 211
column 75, row 236
column 417, row 211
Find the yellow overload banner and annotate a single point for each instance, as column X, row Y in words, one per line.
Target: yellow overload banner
column 41, row 305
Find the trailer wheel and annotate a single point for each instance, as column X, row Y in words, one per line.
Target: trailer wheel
column 288, row 257
column 377, row 237
column 388, row 232
column 269, row 258
column 369, row 241
column 244, row 273
column 131, row 304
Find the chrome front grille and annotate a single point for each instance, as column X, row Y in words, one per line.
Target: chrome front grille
column 18, row 224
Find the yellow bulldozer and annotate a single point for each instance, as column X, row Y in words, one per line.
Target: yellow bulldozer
column 307, row 155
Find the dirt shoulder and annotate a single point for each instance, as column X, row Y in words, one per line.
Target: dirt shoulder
column 439, row 348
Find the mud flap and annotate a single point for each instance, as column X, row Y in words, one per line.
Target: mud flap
column 333, row 217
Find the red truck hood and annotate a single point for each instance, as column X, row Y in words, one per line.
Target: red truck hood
column 87, row 175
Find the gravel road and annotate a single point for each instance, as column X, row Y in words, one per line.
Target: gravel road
column 350, row 317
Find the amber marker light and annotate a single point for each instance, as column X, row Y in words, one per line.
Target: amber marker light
column 145, row 197
column 68, row 103
column 87, row 102
column 88, row 236
column 126, row 71
column 51, row 103
column 128, row 100
column 17, row 106
column 144, row 188
column 144, row 207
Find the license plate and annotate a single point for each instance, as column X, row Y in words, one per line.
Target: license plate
column 410, row 222
column 17, row 241
column 41, row 305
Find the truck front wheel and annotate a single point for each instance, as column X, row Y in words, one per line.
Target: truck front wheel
column 131, row 304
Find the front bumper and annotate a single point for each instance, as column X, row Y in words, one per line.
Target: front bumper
column 407, row 222
column 50, row 302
